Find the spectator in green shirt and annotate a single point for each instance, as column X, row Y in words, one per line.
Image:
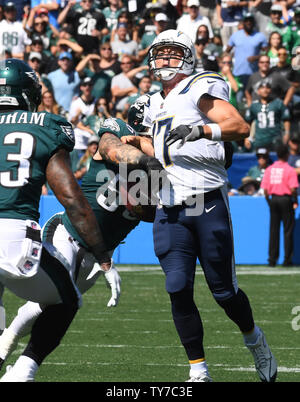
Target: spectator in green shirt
column 269, row 117
column 263, row 161
column 294, row 29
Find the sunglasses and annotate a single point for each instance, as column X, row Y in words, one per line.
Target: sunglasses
column 282, row 54
column 106, row 48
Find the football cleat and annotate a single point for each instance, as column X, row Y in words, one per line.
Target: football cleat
column 264, row 360
column 200, row 377
column 11, row 376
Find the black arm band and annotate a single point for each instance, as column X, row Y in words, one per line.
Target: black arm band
column 100, row 254
column 201, row 132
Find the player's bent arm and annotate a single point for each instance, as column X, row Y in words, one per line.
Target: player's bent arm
column 228, row 124
column 65, row 187
column 233, row 127
column 111, row 148
column 142, row 143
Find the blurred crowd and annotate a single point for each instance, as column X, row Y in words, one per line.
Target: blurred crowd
column 91, row 58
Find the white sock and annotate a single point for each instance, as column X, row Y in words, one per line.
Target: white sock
column 25, row 367
column 8, row 342
column 25, row 318
column 199, row 367
column 251, row 337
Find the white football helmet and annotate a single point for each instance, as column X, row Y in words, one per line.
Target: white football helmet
column 171, row 37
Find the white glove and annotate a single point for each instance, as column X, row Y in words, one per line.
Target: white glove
column 114, row 282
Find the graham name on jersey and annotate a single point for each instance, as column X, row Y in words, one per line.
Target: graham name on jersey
column 23, row 118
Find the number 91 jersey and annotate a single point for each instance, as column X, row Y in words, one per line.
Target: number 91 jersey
column 197, row 167
column 27, row 142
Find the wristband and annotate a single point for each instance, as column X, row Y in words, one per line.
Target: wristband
column 200, row 131
column 216, row 132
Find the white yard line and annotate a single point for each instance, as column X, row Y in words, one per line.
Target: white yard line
column 255, row 270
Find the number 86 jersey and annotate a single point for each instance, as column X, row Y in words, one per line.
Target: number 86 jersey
column 27, row 142
column 197, row 167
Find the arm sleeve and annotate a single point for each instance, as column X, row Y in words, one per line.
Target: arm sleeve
column 64, row 133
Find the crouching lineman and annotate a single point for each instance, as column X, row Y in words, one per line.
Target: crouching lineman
column 114, row 220
column 191, row 118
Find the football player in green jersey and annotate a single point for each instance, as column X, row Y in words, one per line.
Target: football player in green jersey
column 113, row 218
column 34, row 148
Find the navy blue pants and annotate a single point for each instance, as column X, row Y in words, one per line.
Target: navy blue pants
column 178, row 240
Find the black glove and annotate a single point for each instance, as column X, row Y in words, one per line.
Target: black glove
column 184, row 133
column 228, row 154
column 149, row 163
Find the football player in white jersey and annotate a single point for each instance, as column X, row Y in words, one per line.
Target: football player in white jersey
column 191, row 118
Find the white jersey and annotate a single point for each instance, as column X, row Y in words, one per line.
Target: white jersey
column 81, row 136
column 197, row 167
column 13, row 37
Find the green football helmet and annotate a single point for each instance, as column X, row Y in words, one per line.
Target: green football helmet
column 135, row 115
column 19, row 86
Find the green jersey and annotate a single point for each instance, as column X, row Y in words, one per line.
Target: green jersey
column 114, row 220
column 112, row 17
column 27, row 142
column 294, row 35
column 268, row 121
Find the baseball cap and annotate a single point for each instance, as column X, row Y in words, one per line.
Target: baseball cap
column 42, row 10
column 9, row 6
column 192, row 3
column 122, row 25
column 262, row 152
column 93, row 138
column 35, row 55
column 276, row 7
column 65, row 55
column 161, row 17
column 86, row 80
column 249, row 180
column 36, row 39
column 248, row 15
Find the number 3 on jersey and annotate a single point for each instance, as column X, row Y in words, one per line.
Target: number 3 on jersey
column 18, row 178
column 164, row 126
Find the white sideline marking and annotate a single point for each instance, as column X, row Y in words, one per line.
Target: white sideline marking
column 120, row 346
column 281, row 369
column 257, row 270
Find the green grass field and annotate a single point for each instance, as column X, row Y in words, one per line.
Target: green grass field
column 137, row 342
